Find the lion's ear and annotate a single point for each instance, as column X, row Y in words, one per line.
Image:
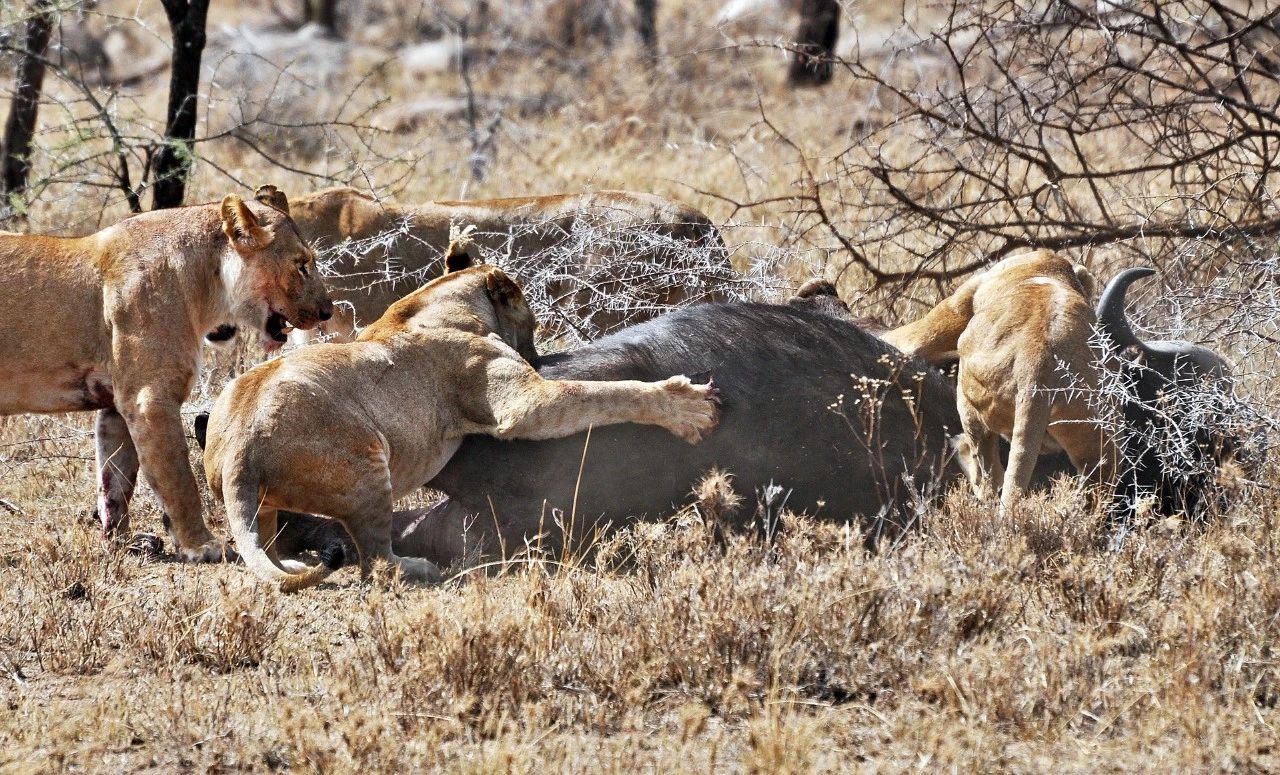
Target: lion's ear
column 272, row 197
column 516, row 324
column 242, row 227
column 457, row 260
column 1085, row 278
column 502, row 290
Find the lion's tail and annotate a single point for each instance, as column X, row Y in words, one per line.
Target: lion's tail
column 936, row 336
column 243, row 509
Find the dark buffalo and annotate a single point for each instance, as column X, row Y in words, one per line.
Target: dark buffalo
column 819, row 416
column 1178, row 403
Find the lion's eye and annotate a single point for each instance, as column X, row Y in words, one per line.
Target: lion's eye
column 302, row 270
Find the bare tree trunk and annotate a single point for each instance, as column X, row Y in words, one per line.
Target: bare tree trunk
column 21, row 125
column 323, row 13
column 647, row 25
column 173, row 162
column 815, row 42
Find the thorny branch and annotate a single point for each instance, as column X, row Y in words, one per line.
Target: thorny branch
column 1017, row 124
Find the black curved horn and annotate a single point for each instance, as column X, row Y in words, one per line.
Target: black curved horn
column 1111, row 318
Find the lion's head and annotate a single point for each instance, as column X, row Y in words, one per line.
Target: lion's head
column 275, row 282
column 515, row 322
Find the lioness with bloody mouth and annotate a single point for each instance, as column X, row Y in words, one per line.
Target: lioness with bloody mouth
column 112, row 322
column 344, row 430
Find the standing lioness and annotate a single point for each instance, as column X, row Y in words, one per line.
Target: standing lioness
column 343, row 430
column 113, row 321
column 1021, row 330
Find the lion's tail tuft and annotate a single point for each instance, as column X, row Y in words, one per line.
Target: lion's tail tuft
column 243, row 506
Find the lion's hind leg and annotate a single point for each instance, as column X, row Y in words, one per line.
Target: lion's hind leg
column 978, row 450
column 371, row 532
column 1030, row 422
column 368, row 519
column 117, row 463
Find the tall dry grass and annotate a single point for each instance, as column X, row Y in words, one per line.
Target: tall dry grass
column 978, row 643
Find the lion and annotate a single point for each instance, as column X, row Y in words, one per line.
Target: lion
column 634, row 244
column 345, row 429
column 1021, row 330
column 112, row 323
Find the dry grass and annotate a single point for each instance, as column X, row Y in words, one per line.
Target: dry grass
column 977, row 644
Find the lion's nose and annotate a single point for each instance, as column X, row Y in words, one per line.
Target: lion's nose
column 325, row 310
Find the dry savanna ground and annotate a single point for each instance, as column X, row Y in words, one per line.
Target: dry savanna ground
column 977, row 643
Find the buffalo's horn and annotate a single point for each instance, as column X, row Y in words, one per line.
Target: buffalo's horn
column 1112, row 320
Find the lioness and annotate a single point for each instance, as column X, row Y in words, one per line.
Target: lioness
column 112, row 322
column 1021, row 330
column 632, row 247
column 345, row 429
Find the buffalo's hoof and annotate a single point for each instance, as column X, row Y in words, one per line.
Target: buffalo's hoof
column 418, row 571
column 411, row 570
column 147, row 545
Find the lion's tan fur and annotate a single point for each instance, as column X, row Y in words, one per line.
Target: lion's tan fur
column 518, row 226
column 113, row 322
column 344, row 429
column 1021, row 330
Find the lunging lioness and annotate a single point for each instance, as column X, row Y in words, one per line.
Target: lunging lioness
column 344, row 429
column 1021, row 330
column 112, row 322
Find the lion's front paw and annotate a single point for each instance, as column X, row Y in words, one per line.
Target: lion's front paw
column 694, row 410
column 213, row 550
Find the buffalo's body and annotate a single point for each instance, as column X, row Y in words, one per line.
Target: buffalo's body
column 1172, row 441
column 811, row 403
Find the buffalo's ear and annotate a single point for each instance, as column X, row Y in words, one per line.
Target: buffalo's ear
column 271, row 196
column 242, row 227
column 816, row 286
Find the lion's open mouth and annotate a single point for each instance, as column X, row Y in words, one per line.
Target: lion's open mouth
column 277, row 328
